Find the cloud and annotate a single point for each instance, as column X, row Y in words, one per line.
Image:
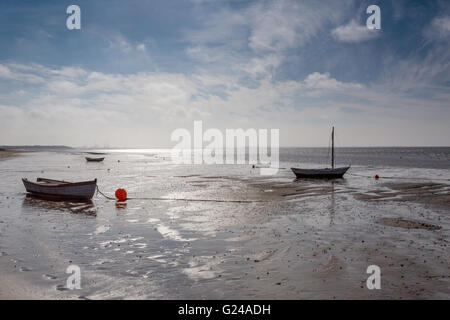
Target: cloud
column 141, row 47
column 320, row 81
column 130, row 53
column 256, row 38
column 11, row 74
column 281, row 25
column 354, row 32
column 76, row 106
column 439, row 29
column 253, row 43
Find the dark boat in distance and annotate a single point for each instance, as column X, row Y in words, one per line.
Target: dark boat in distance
column 57, row 189
column 88, row 159
column 326, row 173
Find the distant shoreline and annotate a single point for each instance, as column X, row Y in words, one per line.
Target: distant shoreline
column 34, row 148
column 63, row 147
column 7, row 154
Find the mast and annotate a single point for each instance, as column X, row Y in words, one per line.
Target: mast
column 332, row 148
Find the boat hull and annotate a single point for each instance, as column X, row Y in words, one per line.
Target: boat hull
column 320, row 173
column 94, row 159
column 61, row 189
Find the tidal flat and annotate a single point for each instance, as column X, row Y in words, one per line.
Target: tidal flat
column 231, row 233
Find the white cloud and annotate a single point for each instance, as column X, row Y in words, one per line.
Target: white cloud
column 320, row 81
column 354, row 32
column 75, row 106
column 260, row 67
column 10, row 74
column 280, row 25
column 128, row 52
column 141, row 47
column 120, row 44
column 439, row 28
column 255, row 40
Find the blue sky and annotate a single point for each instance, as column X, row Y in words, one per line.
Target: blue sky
column 137, row 70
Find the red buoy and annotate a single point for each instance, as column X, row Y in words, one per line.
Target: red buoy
column 376, row 177
column 121, row 194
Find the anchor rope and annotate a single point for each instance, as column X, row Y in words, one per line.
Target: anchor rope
column 181, row 199
column 405, row 178
column 107, row 197
column 250, row 201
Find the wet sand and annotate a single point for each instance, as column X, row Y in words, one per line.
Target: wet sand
column 424, row 192
column 297, row 240
column 13, row 287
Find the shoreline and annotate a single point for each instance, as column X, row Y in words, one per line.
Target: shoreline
column 7, row 154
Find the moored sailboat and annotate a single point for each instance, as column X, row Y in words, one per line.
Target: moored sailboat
column 326, row 173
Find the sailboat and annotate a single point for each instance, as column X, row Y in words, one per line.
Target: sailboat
column 327, row 173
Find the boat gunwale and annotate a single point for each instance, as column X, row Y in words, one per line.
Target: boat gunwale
column 62, row 184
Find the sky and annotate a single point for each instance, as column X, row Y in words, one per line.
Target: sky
column 138, row 70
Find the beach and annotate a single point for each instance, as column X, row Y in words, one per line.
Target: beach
column 230, row 233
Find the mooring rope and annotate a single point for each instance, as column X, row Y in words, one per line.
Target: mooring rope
column 107, row 197
column 405, row 178
column 252, row 201
column 181, row 199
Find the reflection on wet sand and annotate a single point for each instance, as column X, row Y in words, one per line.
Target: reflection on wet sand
column 258, row 189
column 76, row 207
column 332, row 204
column 423, row 192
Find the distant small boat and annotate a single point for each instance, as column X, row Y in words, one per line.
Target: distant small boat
column 61, row 189
column 327, row 173
column 94, row 159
